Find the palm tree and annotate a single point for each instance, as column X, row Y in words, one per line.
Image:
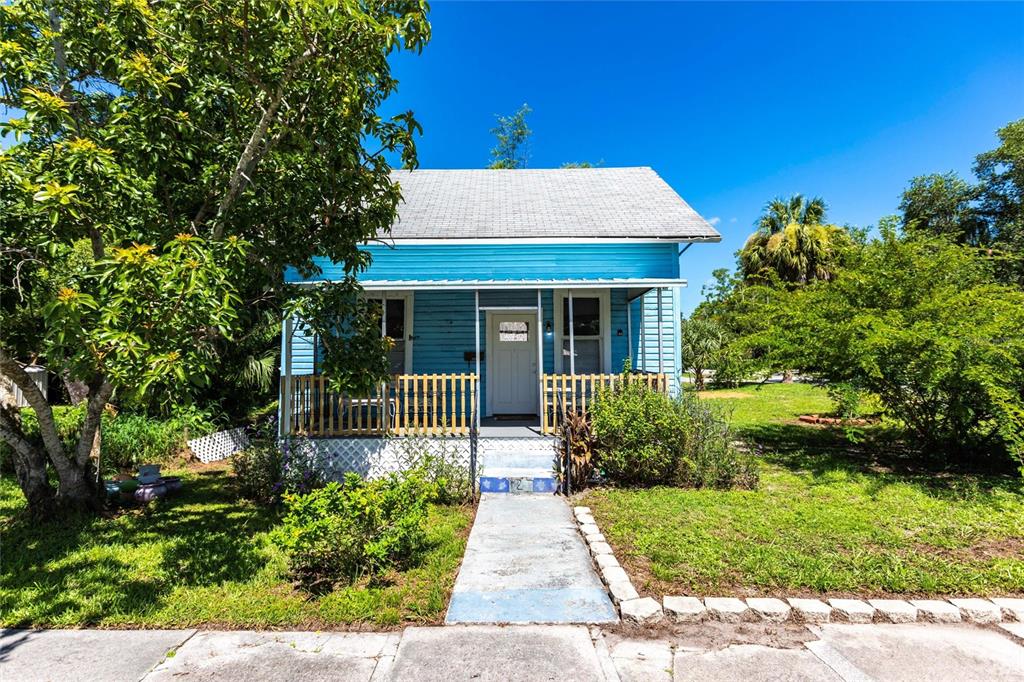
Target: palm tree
column 779, row 213
column 702, row 341
column 792, row 244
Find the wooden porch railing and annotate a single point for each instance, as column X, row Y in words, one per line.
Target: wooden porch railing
column 408, row 404
column 572, row 393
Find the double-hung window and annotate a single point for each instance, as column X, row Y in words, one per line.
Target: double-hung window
column 586, row 326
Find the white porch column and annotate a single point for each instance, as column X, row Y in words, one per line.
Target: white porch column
column 476, row 328
column 661, row 349
column 629, row 329
column 285, row 423
column 540, row 354
column 572, row 339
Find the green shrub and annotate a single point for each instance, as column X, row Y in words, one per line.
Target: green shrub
column 922, row 324
column 647, row 438
column 733, row 366
column 848, row 399
column 444, row 466
column 357, row 527
column 258, row 472
column 129, row 439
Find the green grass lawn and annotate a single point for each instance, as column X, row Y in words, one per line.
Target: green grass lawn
column 203, row 558
column 829, row 516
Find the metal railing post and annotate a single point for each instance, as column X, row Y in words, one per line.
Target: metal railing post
column 473, row 445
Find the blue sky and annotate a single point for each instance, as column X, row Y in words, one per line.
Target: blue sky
column 731, row 103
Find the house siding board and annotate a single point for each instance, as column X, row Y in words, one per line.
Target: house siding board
column 302, row 349
column 645, row 332
column 620, row 344
column 509, row 262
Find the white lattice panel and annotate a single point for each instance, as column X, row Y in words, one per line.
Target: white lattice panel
column 376, row 457
column 220, row 445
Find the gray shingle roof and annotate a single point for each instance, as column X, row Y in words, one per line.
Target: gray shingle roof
column 574, row 203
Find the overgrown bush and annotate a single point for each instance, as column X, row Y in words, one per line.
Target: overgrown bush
column 354, row 528
column 647, row 438
column 303, row 466
column 922, row 324
column 257, row 471
column 443, row 465
column 129, row 439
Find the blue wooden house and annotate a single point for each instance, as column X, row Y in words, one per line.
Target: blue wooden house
column 510, row 295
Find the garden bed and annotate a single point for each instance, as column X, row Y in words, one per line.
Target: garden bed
column 203, row 558
column 828, row 517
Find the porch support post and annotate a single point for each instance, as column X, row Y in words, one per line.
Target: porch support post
column 572, row 339
column 285, row 422
column 629, row 329
column 540, row 354
column 476, row 328
column 661, row 349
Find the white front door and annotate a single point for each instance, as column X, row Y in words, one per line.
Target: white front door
column 512, row 363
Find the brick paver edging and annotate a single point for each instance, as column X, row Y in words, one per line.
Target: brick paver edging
column 632, row 607
column 734, row 610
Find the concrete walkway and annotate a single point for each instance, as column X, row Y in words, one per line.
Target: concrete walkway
column 525, row 562
column 708, row 652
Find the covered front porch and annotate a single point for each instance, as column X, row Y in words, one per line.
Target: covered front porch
column 502, row 359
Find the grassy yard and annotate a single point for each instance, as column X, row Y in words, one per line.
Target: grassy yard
column 202, row 558
column 829, row 516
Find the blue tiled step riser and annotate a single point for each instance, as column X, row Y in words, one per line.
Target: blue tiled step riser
column 492, row 484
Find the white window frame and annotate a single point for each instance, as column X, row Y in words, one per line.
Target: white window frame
column 407, row 297
column 605, row 307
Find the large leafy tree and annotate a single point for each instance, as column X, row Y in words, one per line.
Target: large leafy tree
column 792, row 244
column 988, row 212
column 922, row 323
column 943, row 204
column 169, row 160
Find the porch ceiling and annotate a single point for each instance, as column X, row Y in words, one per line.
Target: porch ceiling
column 485, row 284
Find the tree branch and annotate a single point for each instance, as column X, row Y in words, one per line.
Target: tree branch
column 44, row 413
column 251, row 154
column 93, row 415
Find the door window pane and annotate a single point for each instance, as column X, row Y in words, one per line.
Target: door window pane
column 395, row 322
column 513, row 332
column 394, row 329
column 586, row 316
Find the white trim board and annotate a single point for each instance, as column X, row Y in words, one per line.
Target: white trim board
column 492, row 284
column 545, row 240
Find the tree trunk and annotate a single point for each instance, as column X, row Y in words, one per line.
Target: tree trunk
column 78, row 487
column 29, row 467
column 77, row 390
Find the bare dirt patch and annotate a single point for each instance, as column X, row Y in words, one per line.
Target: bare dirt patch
column 710, row 635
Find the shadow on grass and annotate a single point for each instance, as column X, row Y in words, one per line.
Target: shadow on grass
column 83, row 569
column 883, row 453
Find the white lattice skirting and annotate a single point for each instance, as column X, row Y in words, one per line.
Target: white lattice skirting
column 376, row 457
column 220, row 445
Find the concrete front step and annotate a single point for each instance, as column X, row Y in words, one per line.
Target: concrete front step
column 516, row 480
column 524, row 460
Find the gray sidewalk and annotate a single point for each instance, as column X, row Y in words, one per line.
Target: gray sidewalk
column 830, row 653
